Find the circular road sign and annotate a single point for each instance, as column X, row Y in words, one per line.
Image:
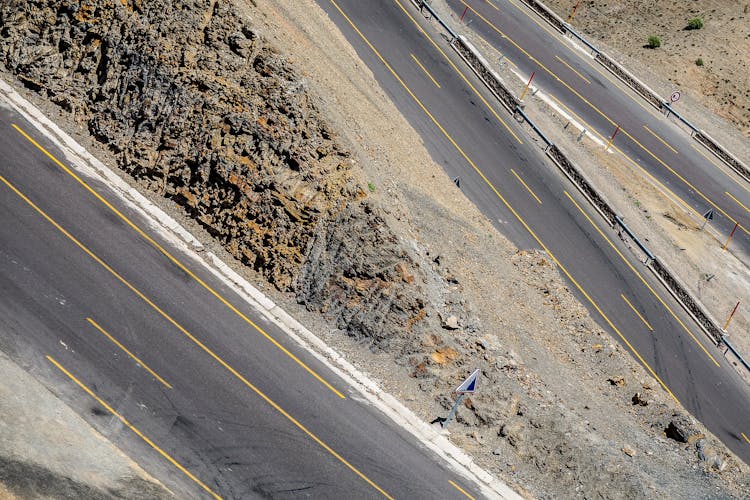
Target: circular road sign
column 675, row 96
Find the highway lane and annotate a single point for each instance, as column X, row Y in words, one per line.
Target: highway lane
column 226, row 411
column 474, row 142
column 654, row 145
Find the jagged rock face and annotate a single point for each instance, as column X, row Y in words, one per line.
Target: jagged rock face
column 196, row 107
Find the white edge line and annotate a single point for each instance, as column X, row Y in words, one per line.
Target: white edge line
column 86, row 163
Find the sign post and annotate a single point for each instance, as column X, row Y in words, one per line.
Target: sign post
column 468, row 386
column 730, row 317
column 731, row 235
column 611, row 139
column 707, row 217
column 526, row 88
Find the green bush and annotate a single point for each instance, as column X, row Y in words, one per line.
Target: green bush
column 695, row 23
column 699, row 62
column 654, row 42
column 371, row 187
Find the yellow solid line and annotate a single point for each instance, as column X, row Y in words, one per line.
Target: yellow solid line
column 654, row 180
column 660, row 139
column 137, row 360
column 554, row 33
column 526, row 186
column 721, row 167
column 189, row 335
column 684, row 181
column 636, row 312
column 643, row 280
column 179, row 264
column 571, row 68
column 737, row 201
column 461, row 490
column 746, row 439
column 508, row 205
column 492, row 5
column 605, row 74
column 425, row 70
column 510, row 208
column 504, row 57
column 625, row 132
column 445, row 56
column 132, row 427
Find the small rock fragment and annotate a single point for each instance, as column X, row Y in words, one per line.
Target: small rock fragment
column 638, row 399
column 628, row 450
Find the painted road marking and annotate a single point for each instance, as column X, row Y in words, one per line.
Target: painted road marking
column 636, row 312
column 660, row 139
column 563, row 41
column 179, row 264
column 448, row 60
column 526, row 186
column 656, row 182
column 466, row 494
column 132, row 427
column 137, row 360
column 684, row 181
column 746, row 438
column 642, row 279
column 425, row 70
column 497, row 193
column 491, row 4
column 737, row 201
column 197, row 342
column 625, row 132
column 571, row 68
column 721, row 167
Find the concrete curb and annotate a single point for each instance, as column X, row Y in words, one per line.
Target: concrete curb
column 86, row 163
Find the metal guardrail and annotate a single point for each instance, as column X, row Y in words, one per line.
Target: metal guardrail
column 580, row 38
column 726, row 342
column 638, row 242
column 533, row 126
column 644, row 91
column 669, row 109
column 423, row 4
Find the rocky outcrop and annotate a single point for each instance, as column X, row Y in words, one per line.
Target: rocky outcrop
column 194, row 104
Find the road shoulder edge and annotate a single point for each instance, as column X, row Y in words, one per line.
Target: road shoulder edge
column 188, row 244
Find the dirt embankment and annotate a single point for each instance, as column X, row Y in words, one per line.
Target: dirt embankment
column 341, row 215
column 720, row 80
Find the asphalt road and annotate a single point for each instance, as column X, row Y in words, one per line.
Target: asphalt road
column 656, row 147
column 504, row 173
column 162, row 366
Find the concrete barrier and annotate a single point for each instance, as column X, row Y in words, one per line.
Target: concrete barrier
column 547, row 14
column 482, row 69
column 630, row 80
column 735, row 164
column 691, row 305
column 583, row 185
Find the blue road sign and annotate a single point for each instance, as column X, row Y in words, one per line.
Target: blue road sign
column 469, row 385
